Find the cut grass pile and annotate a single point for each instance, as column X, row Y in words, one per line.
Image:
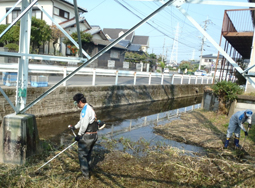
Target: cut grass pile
column 147, row 166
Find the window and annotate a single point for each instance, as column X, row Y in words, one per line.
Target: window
column 114, row 54
column 16, row 12
column 61, row 13
column 37, row 14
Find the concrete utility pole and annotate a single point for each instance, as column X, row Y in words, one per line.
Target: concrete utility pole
column 207, row 21
column 163, row 51
column 193, row 55
column 174, row 53
column 24, row 41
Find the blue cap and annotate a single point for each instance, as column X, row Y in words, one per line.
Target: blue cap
column 248, row 113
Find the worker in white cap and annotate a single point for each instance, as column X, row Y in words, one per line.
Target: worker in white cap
column 236, row 124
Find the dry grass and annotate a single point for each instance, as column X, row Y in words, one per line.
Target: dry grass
column 157, row 166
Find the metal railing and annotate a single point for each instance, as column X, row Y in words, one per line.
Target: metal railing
column 154, row 119
column 49, row 69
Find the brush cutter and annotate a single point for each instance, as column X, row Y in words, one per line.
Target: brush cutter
column 59, row 153
column 245, row 138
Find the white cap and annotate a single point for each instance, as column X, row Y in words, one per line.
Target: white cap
column 248, row 113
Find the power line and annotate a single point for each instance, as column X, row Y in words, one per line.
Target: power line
column 97, row 5
column 162, row 22
column 150, row 24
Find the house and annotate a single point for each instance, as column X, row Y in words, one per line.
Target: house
column 210, row 59
column 133, row 43
column 111, row 59
column 61, row 11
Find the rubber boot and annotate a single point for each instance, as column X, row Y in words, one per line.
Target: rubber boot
column 237, row 142
column 226, row 144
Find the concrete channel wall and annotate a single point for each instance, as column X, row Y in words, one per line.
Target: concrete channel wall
column 61, row 100
column 243, row 102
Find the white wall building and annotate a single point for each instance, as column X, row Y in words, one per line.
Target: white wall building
column 60, row 10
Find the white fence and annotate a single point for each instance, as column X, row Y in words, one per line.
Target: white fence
column 154, row 119
column 50, row 69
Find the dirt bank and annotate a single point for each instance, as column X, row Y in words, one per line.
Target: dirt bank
column 157, row 166
column 206, row 129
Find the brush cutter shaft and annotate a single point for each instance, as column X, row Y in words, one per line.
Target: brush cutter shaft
column 73, row 133
column 245, row 137
column 56, row 156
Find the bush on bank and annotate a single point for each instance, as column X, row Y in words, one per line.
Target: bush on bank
column 226, row 92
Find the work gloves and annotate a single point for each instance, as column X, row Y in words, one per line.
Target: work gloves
column 249, row 125
column 77, row 138
column 246, row 133
column 101, row 124
column 71, row 127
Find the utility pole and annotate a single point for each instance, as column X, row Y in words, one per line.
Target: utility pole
column 193, row 55
column 162, row 57
column 207, row 21
column 202, row 48
column 174, row 53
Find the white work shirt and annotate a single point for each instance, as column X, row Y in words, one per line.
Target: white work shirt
column 87, row 117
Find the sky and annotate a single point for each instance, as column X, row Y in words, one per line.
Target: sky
column 162, row 28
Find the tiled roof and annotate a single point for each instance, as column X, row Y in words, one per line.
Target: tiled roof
column 106, row 42
column 69, row 3
column 123, row 43
column 72, row 22
column 212, row 56
column 114, row 33
column 134, row 47
column 143, row 40
column 94, row 30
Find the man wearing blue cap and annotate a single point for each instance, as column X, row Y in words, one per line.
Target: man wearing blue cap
column 236, row 124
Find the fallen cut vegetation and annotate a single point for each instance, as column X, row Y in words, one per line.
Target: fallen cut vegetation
column 138, row 164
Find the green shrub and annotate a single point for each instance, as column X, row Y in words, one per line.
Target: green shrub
column 12, row 46
column 227, row 91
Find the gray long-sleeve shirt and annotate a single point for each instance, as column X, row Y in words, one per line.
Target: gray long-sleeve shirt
column 87, row 117
column 238, row 119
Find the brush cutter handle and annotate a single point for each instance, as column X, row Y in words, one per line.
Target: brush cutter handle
column 72, row 128
column 246, row 133
column 73, row 133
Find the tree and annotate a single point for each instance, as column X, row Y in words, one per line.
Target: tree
column 11, row 36
column 135, row 57
column 162, row 65
column 85, row 38
column 152, row 59
column 56, row 34
column 40, row 33
column 185, row 65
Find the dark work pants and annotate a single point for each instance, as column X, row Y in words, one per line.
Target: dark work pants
column 85, row 146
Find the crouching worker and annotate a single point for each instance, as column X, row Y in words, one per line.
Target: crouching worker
column 87, row 135
column 236, row 124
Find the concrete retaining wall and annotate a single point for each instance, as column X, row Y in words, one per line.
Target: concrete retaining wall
column 243, row 102
column 61, row 100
